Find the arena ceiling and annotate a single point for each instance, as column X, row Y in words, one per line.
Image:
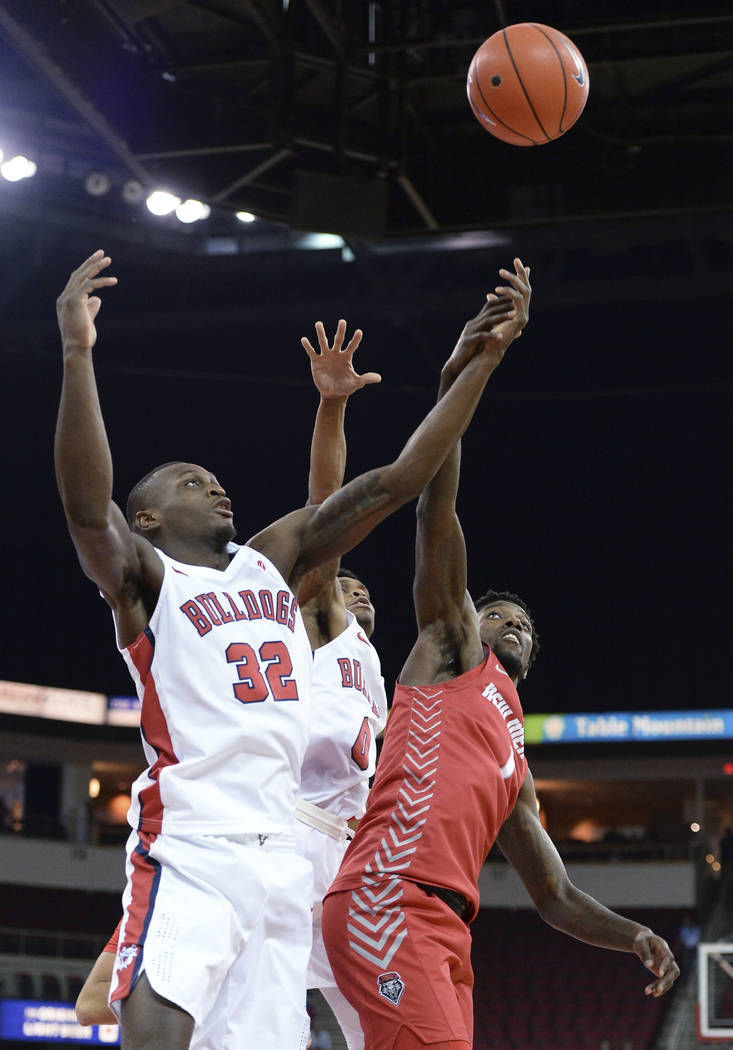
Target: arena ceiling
column 246, row 103
column 595, row 469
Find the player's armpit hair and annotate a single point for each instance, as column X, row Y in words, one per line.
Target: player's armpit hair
column 491, row 597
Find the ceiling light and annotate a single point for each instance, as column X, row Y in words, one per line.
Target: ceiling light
column 320, row 240
column 97, row 183
column 132, row 191
column 160, row 202
column 192, row 211
column 246, row 216
column 17, row 168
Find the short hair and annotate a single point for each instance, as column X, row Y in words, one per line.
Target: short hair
column 142, row 494
column 493, row 597
column 345, row 573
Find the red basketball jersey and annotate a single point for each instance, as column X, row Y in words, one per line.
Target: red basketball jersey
column 448, row 777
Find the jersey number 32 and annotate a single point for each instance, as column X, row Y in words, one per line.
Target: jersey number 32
column 262, row 674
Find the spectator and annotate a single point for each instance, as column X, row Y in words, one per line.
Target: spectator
column 689, row 937
column 320, row 1036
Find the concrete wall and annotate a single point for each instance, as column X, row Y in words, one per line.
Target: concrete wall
column 634, row 884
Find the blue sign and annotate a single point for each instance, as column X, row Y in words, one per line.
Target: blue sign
column 123, row 711
column 623, row 726
column 34, row 1020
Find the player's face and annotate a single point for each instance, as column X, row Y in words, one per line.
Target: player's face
column 193, row 504
column 506, row 628
column 356, row 600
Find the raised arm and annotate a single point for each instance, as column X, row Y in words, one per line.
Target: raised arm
column 443, row 607
column 109, row 553
column 530, row 851
column 305, row 539
column 319, row 594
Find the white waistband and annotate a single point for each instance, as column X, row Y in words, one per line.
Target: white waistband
column 323, row 821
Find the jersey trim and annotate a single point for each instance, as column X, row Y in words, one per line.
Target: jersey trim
column 154, row 729
column 144, row 883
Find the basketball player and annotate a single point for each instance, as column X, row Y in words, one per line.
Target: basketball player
column 217, row 901
column 349, row 704
column 451, row 779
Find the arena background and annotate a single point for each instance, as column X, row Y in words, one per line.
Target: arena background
column 596, row 472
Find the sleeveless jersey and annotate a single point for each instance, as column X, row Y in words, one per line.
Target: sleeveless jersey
column 349, row 710
column 449, row 774
column 223, row 674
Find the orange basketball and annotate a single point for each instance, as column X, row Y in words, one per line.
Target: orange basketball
column 527, row 84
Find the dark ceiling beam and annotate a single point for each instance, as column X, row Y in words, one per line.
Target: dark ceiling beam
column 418, row 203
column 36, row 55
column 684, row 80
column 205, row 151
column 325, row 20
column 595, row 29
column 214, row 65
column 257, row 15
column 353, row 154
column 251, row 176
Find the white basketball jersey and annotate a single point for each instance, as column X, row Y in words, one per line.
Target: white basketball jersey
column 223, row 674
column 349, row 710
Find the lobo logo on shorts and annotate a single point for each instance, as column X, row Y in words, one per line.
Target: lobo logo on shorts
column 391, row 986
column 127, row 955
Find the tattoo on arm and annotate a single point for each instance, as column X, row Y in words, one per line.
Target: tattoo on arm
column 353, row 504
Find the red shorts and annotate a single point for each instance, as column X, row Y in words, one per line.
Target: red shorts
column 402, row 958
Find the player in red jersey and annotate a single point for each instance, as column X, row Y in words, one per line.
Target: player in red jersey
column 451, row 780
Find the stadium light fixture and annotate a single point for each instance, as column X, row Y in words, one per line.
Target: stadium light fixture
column 132, row 191
column 97, row 183
column 246, row 216
column 161, row 202
column 192, row 210
column 18, row 168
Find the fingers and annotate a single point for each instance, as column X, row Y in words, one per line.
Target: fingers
column 338, row 341
column 306, row 344
column 664, row 982
column 655, row 954
column 322, row 340
column 353, row 343
column 370, row 377
column 93, row 266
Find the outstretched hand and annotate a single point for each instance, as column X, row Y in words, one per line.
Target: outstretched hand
column 498, row 323
column 655, row 953
column 76, row 307
column 332, row 368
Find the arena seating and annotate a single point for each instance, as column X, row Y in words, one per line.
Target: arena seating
column 537, row 989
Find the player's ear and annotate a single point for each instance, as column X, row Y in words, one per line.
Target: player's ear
column 146, row 522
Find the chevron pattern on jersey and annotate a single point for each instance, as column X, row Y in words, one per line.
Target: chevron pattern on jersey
column 377, row 927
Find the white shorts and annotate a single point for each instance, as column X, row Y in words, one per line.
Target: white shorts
column 220, row 925
column 325, row 854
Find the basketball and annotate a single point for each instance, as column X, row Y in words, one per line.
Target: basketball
column 527, row 84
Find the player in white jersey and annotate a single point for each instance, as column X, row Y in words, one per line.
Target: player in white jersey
column 210, row 903
column 349, row 704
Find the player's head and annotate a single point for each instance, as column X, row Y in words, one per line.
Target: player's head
column 181, row 501
column 506, row 625
column 357, row 600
